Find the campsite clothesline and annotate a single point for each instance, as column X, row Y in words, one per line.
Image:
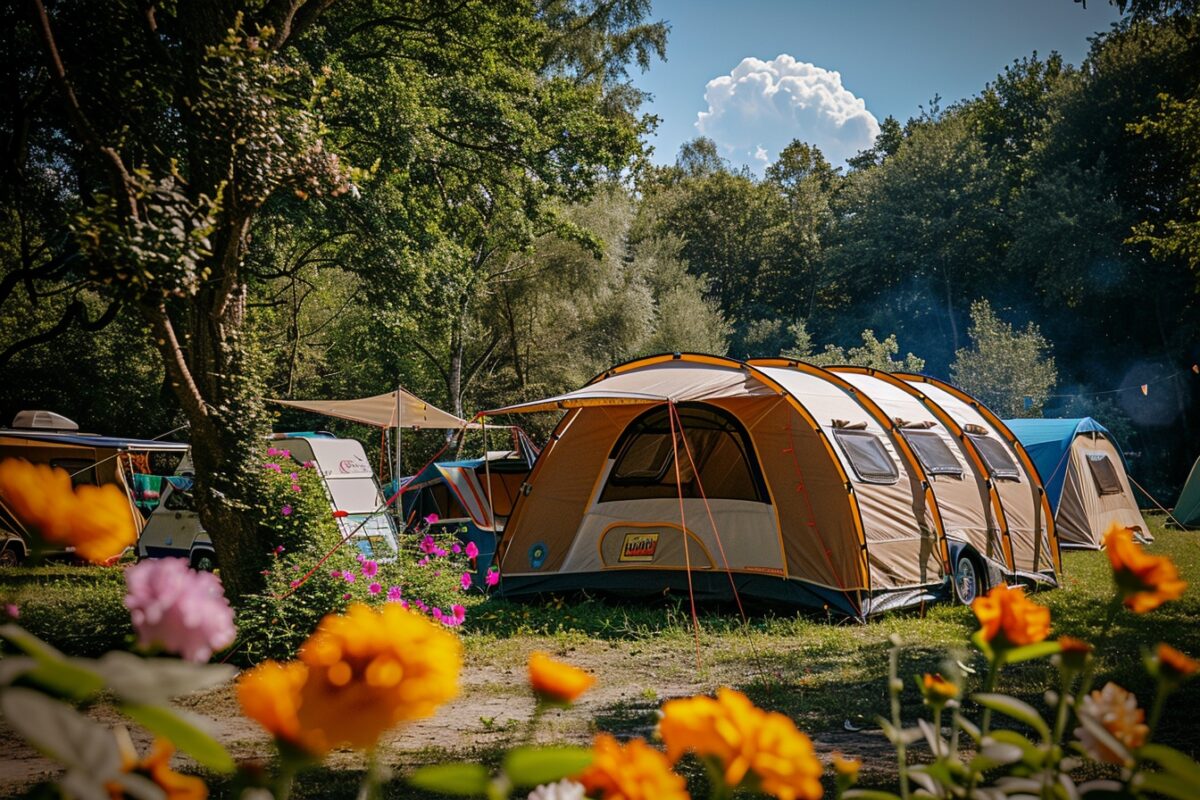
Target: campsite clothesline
column 1143, row 387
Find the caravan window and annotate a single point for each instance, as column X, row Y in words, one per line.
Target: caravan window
column 867, row 455
column 936, row 457
column 719, row 448
column 1104, row 474
column 82, row 472
column 996, row 456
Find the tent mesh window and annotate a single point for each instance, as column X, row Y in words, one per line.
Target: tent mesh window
column 996, row 456
column 867, row 455
column 936, row 457
column 720, row 449
column 1104, row 473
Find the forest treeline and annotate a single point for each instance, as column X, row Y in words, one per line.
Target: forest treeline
column 208, row 205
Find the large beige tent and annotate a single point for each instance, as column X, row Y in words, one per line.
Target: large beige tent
column 775, row 479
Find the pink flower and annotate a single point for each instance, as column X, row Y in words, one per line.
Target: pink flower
column 439, row 552
column 456, row 617
column 348, row 577
column 337, row 573
column 346, row 596
column 428, row 545
column 308, row 464
column 472, row 551
column 403, row 603
column 285, row 453
column 294, row 584
column 369, row 568
column 278, row 549
column 179, row 609
column 295, row 487
column 286, row 511
column 465, row 581
column 456, row 549
column 374, row 588
column 393, row 594
column 270, row 465
column 492, row 578
column 294, row 476
column 431, row 519
column 437, row 573
column 12, row 611
column 424, row 562
column 271, row 451
column 437, row 613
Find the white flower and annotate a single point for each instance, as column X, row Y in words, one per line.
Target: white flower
column 563, row 790
column 1117, row 711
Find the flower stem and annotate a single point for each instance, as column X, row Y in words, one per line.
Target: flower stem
column 894, row 688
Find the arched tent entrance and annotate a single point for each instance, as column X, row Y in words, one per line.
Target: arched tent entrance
column 1020, row 502
column 1083, row 471
column 700, row 473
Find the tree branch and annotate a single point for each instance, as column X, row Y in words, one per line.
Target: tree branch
column 177, row 369
column 75, row 312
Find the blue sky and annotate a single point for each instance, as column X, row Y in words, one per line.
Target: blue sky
column 889, row 57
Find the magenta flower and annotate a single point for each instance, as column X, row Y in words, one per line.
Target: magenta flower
column 12, row 611
column 308, row 464
column 472, row 551
column 294, row 476
column 431, row 519
column 465, row 581
column 271, row 451
column 439, row 552
column 178, row 609
column 456, row 549
column 403, row 604
column 348, row 577
column 285, row 453
column 346, row 596
column 337, row 573
column 374, row 588
column 278, row 549
column 428, row 545
column 294, row 584
column 424, row 562
column 393, row 594
column 492, row 577
column 286, row 511
column 437, row 573
column 369, row 568
column 272, row 466
column 437, row 613
column 295, row 487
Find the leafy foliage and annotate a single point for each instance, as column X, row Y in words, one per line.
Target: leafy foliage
column 1011, row 371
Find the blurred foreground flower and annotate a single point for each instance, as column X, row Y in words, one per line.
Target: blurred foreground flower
column 565, row 789
column 358, row 675
column 762, row 747
column 178, row 608
column 633, row 771
column 1008, row 619
column 157, row 768
column 1117, row 711
column 937, row 690
column 96, row 520
column 1144, row 581
column 555, row 681
column 1173, row 666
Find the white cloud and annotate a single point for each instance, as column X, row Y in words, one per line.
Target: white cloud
column 756, row 110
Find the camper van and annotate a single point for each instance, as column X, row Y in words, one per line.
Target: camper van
column 44, row 437
column 174, row 527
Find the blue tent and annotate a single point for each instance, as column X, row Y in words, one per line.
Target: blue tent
column 1087, row 485
column 1048, row 442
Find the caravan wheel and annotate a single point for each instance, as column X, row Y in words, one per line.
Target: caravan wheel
column 204, row 561
column 967, row 582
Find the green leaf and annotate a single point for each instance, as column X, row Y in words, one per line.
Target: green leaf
column 1031, row 651
column 1017, row 709
column 983, row 644
column 868, row 794
column 1172, row 761
column 186, row 730
column 532, row 766
column 28, row 643
column 155, row 680
column 54, row 672
column 1168, row 785
column 459, row 779
column 59, row 731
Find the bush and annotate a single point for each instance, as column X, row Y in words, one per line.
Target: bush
column 91, row 598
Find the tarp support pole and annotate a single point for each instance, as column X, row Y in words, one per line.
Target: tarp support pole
column 396, row 473
column 487, row 475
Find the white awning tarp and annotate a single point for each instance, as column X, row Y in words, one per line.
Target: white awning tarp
column 670, row 381
column 380, row 411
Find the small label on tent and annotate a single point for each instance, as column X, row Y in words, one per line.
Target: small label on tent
column 639, row 547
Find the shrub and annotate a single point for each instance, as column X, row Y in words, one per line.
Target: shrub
column 92, row 598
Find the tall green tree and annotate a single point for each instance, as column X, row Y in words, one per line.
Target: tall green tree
column 1011, row 371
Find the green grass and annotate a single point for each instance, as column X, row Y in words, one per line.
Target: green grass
column 818, row 672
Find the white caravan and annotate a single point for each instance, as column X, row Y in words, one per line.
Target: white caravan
column 350, row 486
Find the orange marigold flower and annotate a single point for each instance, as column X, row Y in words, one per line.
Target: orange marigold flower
column 1074, row 652
column 96, row 520
column 1117, row 710
column 847, row 767
column 1144, row 581
column 746, row 740
column 937, row 689
column 556, row 681
column 1174, row 665
column 1008, row 619
column 359, row 674
column 157, row 767
column 269, row 694
column 634, row 771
